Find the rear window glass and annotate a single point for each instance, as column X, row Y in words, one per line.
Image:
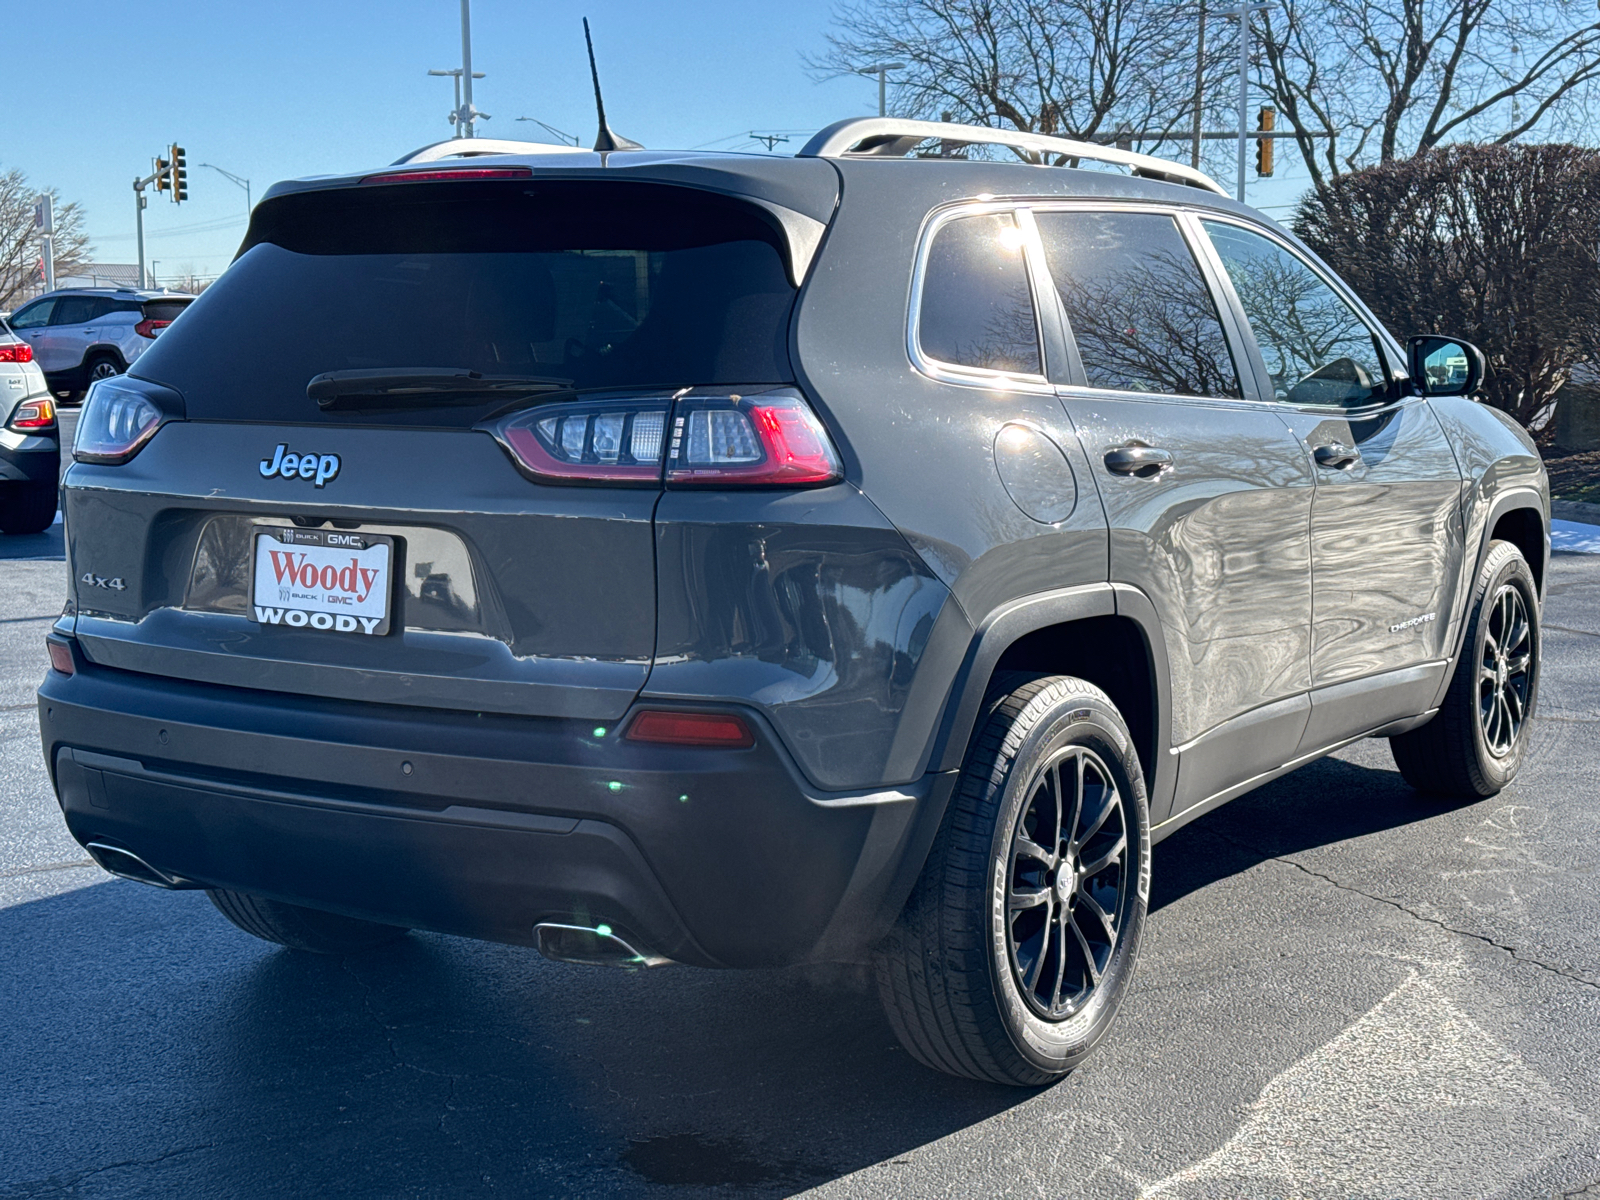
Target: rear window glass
column 610, row 285
column 162, row 310
column 1141, row 313
column 977, row 308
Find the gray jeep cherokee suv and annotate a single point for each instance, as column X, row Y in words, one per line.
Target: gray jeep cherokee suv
column 743, row 561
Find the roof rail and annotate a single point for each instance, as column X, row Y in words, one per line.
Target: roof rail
column 891, row 137
column 472, row 147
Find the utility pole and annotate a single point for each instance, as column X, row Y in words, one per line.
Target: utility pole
column 1243, row 13
column 1199, row 88
column 44, row 220
column 881, row 70
column 468, row 113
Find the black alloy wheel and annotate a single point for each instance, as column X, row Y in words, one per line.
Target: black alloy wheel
column 1505, row 680
column 1017, row 945
column 1474, row 745
column 1069, row 889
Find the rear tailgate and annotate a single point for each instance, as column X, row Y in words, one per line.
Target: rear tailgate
column 506, row 592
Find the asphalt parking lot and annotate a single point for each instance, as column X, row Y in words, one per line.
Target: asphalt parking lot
column 1345, row 991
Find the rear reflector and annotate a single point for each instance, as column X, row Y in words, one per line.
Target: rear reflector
column 450, row 174
column 60, row 656
column 34, row 416
column 16, row 352
column 691, row 729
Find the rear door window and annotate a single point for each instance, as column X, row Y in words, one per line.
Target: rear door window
column 1317, row 350
column 79, row 310
column 977, row 308
column 1141, row 313
column 592, row 285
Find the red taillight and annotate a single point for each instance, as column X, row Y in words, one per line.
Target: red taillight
column 34, row 416
column 764, row 441
column 149, row 327
column 16, row 352
column 727, row 730
column 450, row 174
column 770, row 440
column 60, row 656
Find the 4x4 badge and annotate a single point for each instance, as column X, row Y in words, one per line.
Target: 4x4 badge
column 317, row 467
column 90, row 579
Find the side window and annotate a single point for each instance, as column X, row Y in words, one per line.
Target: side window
column 1317, row 350
column 977, row 308
column 1141, row 314
column 32, row 316
column 75, row 310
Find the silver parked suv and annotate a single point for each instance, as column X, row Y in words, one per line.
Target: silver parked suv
column 79, row 335
column 741, row 561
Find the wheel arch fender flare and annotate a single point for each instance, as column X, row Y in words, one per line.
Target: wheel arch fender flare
column 1002, row 629
column 1518, row 499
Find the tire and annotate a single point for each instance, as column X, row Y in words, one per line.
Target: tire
column 300, row 928
column 28, row 507
column 1474, row 746
column 954, row 973
column 101, row 366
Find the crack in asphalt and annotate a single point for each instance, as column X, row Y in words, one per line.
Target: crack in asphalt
column 57, row 1184
column 1564, row 972
column 1588, row 1189
column 60, row 866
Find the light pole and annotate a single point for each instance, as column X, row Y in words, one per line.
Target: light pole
column 881, row 70
column 1243, row 13
column 455, row 113
column 153, row 263
column 240, row 180
column 567, row 139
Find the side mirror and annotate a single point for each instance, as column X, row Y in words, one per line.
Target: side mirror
column 1445, row 366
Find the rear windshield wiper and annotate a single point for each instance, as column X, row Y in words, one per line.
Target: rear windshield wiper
column 403, row 387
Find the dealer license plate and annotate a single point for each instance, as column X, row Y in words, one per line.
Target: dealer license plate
column 322, row 579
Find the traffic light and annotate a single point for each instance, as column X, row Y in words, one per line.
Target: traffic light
column 180, row 175
column 162, row 167
column 1265, row 121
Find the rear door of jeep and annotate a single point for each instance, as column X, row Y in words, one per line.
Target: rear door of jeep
column 373, row 540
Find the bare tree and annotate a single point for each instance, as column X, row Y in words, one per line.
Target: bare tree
column 19, row 240
column 1087, row 69
column 1393, row 78
column 1494, row 243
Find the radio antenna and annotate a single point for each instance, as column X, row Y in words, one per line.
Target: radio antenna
column 605, row 139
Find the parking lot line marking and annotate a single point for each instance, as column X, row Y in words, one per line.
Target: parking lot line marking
column 1412, row 1096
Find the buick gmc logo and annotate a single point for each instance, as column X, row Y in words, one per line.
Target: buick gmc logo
column 319, row 468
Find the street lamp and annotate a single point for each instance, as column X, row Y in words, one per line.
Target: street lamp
column 239, row 180
column 153, row 263
column 881, row 70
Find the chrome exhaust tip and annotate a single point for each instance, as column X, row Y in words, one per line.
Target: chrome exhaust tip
column 128, row 865
column 595, row 946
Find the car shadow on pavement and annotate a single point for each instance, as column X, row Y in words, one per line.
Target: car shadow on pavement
column 1332, row 800
column 155, row 1046
column 182, row 1057
column 47, row 545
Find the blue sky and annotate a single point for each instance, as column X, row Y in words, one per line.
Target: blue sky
column 273, row 91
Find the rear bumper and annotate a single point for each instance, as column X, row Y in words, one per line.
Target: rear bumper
column 483, row 825
column 30, row 460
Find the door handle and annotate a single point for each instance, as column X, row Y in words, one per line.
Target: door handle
column 1144, row 461
column 1336, row 455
